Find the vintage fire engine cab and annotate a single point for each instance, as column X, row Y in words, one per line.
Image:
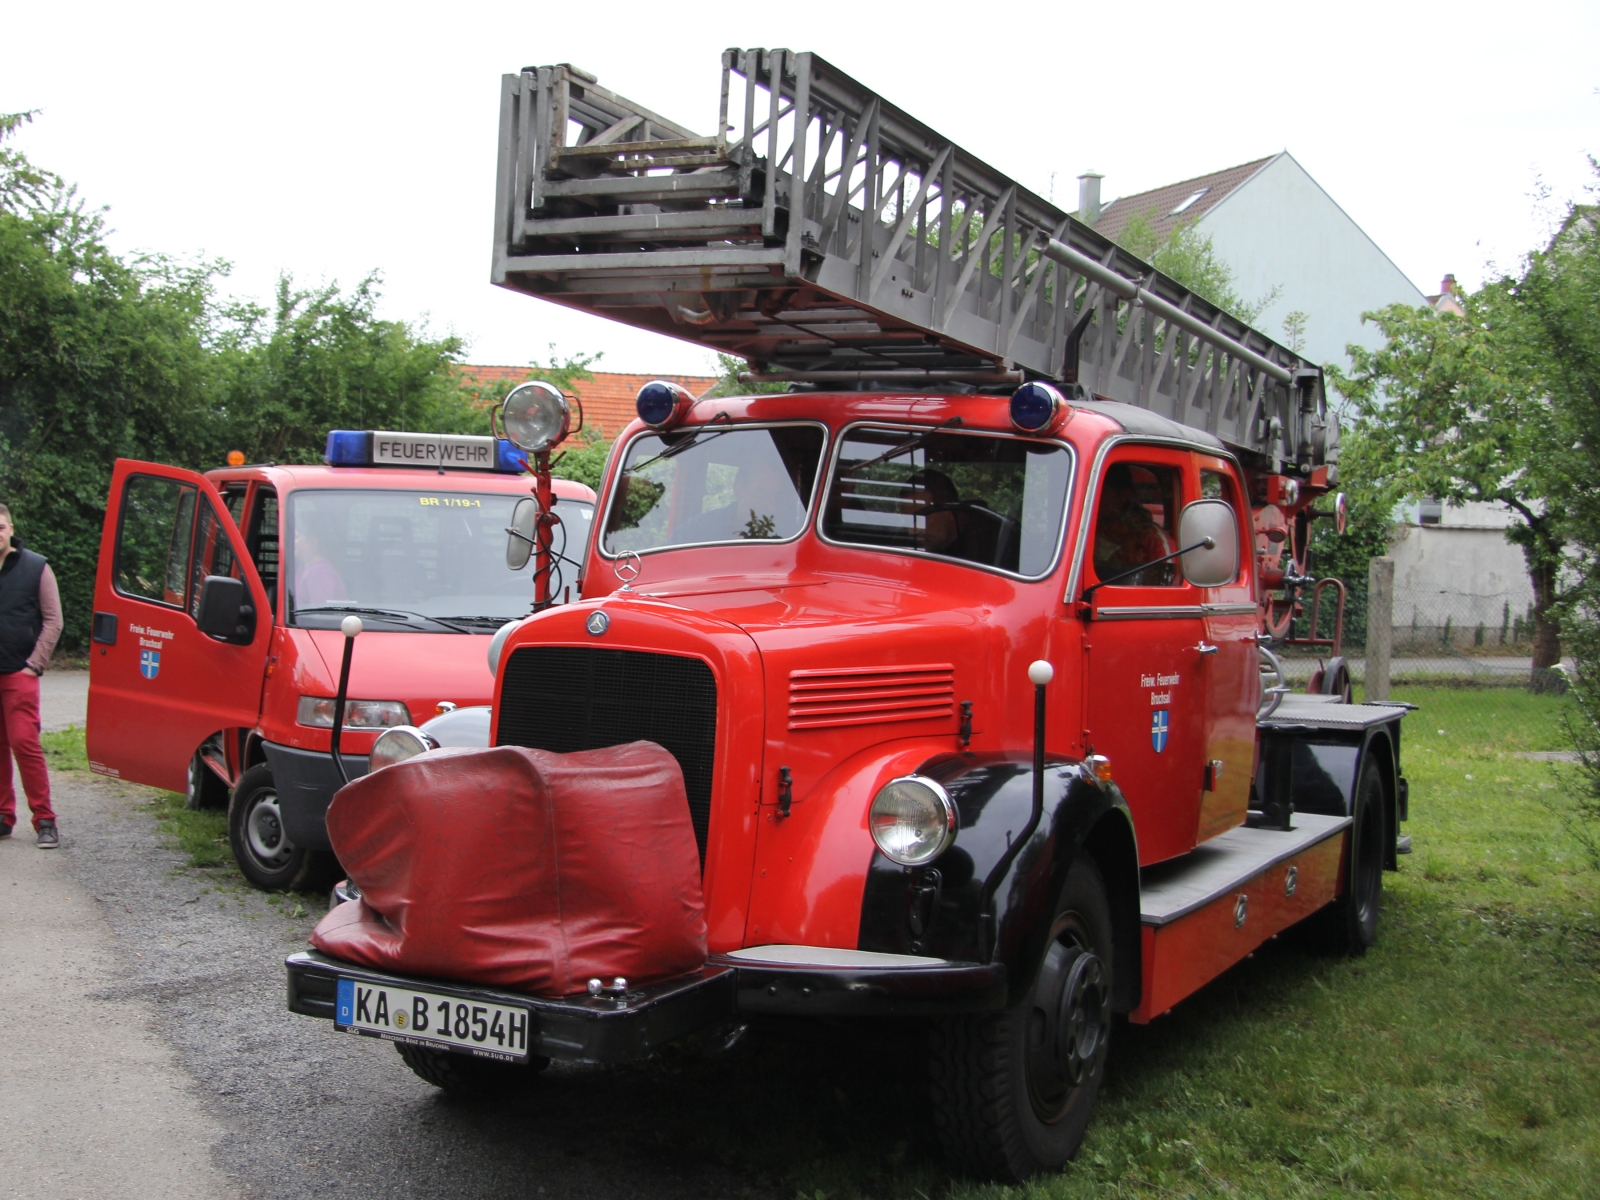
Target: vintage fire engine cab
column 962, row 644
column 215, row 658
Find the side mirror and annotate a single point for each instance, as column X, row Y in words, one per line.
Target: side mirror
column 520, row 533
column 225, row 611
column 1213, row 521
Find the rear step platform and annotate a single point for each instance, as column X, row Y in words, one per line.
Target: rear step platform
column 1204, row 912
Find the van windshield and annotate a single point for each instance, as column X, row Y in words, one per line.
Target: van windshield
column 713, row 483
column 421, row 560
column 992, row 500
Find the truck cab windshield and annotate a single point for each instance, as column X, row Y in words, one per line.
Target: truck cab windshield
column 714, row 483
column 420, row 560
column 988, row 499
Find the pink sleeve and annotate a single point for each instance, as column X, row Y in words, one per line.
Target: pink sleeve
column 50, row 607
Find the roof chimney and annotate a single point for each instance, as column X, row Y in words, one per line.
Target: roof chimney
column 1089, row 197
column 1449, row 286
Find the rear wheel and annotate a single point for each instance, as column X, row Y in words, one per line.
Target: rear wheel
column 1350, row 924
column 461, row 1075
column 1013, row 1091
column 204, row 788
column 266, row 856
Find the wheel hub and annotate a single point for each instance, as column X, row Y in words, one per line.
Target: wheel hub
column 1068, row 1022
column 264, row 832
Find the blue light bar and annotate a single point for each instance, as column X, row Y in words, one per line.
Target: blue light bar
column 348, row 448
column 508, row 458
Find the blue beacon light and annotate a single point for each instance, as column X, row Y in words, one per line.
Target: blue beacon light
column 1038, row 408
column 348, row 448
column 661, row 403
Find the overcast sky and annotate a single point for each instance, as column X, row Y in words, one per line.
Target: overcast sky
column 334, row 139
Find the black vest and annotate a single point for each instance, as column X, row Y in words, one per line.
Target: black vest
column 21, row 619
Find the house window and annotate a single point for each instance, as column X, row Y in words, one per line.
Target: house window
column 1431, row 512
column 1193, row 197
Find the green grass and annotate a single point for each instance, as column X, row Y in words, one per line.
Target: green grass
column 203, row 836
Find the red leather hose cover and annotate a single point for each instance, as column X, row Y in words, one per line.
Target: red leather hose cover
column 520, row 868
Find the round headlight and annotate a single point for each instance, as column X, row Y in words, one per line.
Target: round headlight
column 497, row 644
column 912, row 820
column 397, row 745
column 536, row 416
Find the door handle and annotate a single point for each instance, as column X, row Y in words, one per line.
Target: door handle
column 1206, row 648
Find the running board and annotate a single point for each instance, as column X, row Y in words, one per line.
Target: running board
column 1204, row 912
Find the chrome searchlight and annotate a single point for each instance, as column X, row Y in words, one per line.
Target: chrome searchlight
column 397, row 745
column 536, row 416
column 1039, row 408
column 661, row 404
column 912, row 820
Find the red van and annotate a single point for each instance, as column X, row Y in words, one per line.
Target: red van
column 218, row 599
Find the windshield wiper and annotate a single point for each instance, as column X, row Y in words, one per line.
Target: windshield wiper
column 496, row 622
column 905, row 447
column 392, row 614
column 672, row 451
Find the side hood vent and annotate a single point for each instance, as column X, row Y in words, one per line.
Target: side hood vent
column 870, row 695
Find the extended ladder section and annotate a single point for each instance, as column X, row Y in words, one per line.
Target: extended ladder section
column 828, row 237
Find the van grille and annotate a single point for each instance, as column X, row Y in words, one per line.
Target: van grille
column 567, row 698
column 870, row 695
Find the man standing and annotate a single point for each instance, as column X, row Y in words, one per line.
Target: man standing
column 30, row 623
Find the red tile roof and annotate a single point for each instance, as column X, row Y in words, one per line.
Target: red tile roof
column 607, row 398
column 1157, row 204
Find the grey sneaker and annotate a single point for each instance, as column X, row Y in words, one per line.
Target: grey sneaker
column 49, row 839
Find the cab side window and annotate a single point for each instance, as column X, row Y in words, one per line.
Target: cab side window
column 213, row 554
column 261, row 537
column 154, row 540
column 1136, row 522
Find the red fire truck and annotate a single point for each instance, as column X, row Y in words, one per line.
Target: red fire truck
column 963, row 644
column 215, row 652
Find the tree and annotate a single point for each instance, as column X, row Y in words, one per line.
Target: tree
column 1493, row 406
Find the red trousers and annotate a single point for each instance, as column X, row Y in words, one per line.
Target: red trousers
column 19, row 739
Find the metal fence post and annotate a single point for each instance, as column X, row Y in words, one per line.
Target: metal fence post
column 1380, row 627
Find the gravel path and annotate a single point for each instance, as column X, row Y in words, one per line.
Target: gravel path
column 296, row 1109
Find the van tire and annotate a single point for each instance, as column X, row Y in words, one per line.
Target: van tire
column 267, row 858
column 204, row 789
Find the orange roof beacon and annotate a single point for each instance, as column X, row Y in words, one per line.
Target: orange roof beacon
column 940, row 684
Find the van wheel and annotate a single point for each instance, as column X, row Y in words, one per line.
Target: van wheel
column 1350, row 924
column 1013, row 1092
column 204, row 788
column 462, row 1075
column 266, row 856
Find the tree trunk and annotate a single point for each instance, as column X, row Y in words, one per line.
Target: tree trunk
column 1546, row 622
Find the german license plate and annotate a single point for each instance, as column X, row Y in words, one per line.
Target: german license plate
column 498, row 1031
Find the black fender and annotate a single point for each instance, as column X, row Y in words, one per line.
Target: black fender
column 943, row 910
column 1317, row 770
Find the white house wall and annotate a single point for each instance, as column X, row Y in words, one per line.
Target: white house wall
column 1279, row 228
column 1465, row 576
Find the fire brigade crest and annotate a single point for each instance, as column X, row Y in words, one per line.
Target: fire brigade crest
column 1158, row 729
column 149, row 663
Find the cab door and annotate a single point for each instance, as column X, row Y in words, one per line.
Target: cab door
column 158, row 686
column 1145, row 680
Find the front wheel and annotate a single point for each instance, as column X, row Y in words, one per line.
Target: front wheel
column 1013, row 1092
column 266, row 856
column 461, row 1075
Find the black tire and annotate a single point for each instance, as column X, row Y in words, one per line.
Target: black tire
column 468, row 1077
column 266, row 856
column 203, row 788
column 1350, row 924
column 1013, row 1092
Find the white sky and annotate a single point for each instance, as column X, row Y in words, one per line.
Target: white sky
column 332, row 139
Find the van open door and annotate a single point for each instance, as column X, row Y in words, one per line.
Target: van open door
column 181, row 626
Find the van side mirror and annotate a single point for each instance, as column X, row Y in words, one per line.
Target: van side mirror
column 225, row 612
column 1213, row 522
column 520, row 533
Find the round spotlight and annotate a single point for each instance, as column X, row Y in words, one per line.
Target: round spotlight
column 1038, row 408
column 661, row 403
column 536, row 416
column 912, row 820
column 397, row 745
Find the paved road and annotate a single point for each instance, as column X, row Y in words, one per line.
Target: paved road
column 63, row 698
column 158, row 1042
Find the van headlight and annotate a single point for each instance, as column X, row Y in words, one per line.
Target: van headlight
column 912, row 820
column 397, row 745
column 317, row 712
